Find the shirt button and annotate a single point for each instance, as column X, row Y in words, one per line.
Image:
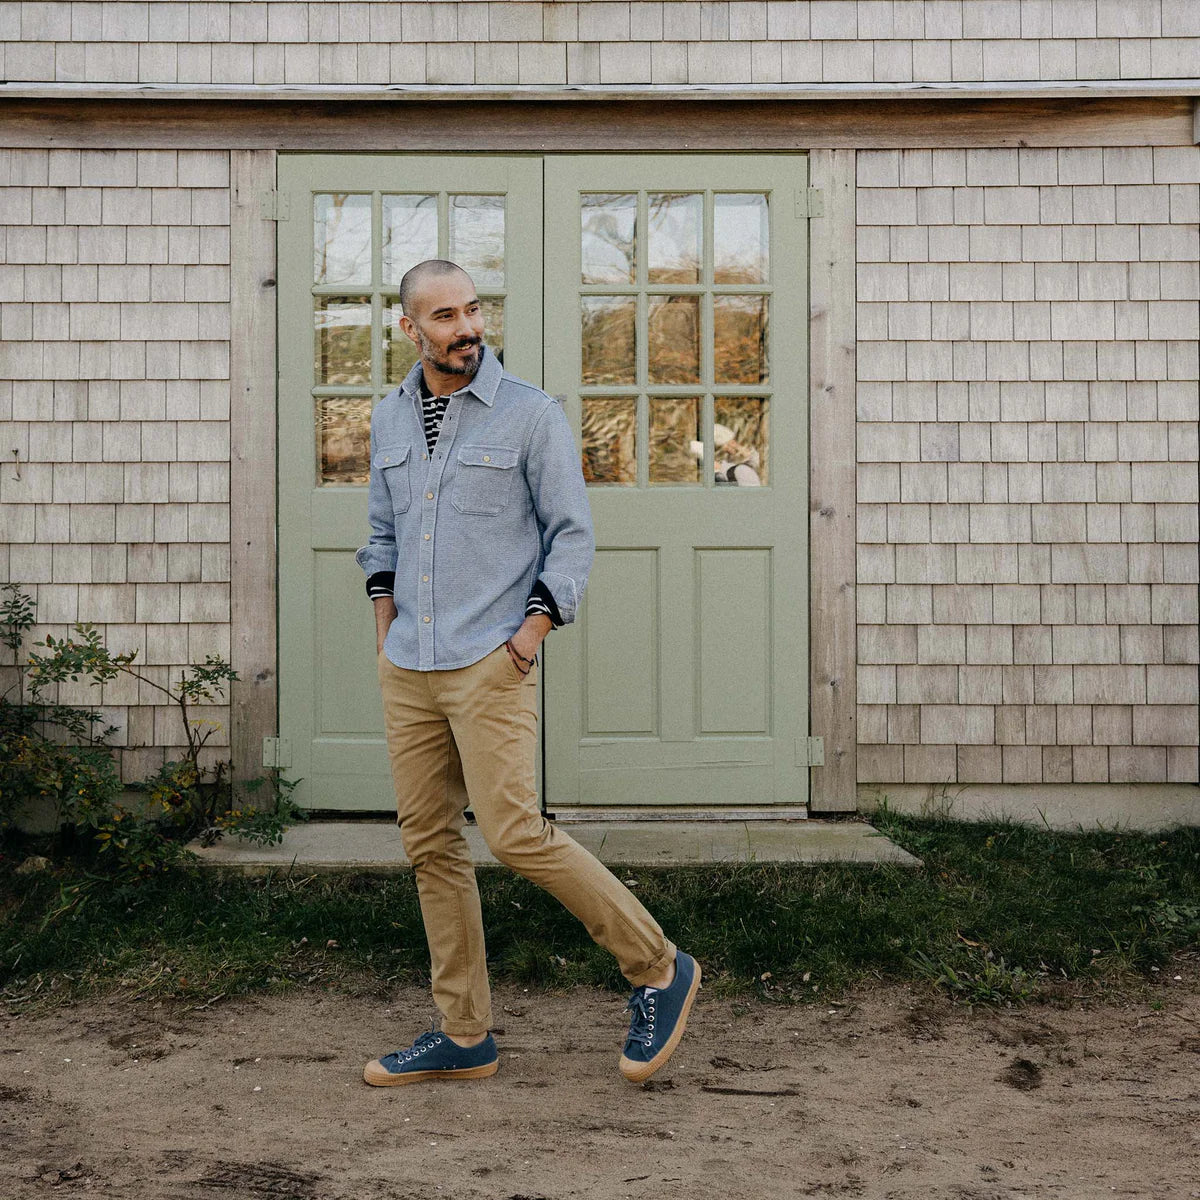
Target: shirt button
column 424, row 578
column 427, row 537
column 487, row 458
column 428, row 619
column 387, row 460
column 428, row 495
column 424, row 455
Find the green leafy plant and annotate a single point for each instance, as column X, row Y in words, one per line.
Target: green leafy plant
column 261, row 824
column 50, row 750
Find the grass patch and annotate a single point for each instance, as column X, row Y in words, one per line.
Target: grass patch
column 1000, row 912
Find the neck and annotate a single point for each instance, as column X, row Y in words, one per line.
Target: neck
column 438, row 383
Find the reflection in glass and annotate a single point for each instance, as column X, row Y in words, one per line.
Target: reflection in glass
column 410, row 234
column 675, row 237
column 477, row 237
column 740, row 238
column 609, row 339
column 740, row 437
column 493, row 323
column 676, row 449
column 610, row 439
column 399, row 354
column 342, row 239
column 609, row 223
column 673, row 333
column 342, row 339
column 344, row 439
column 740, row 339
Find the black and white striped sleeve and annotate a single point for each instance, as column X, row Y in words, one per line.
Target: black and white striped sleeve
column 382, row 583
column 542, row 602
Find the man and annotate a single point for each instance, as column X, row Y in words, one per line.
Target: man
column 481, row 542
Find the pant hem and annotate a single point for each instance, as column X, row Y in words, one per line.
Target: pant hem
column 459, row 1029
column 654, row 968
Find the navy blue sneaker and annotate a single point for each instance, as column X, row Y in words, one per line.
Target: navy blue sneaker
column 659, row 1019
column 433, row 1056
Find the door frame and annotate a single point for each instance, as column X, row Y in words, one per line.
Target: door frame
column 254, row 701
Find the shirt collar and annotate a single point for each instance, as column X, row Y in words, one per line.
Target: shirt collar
column 482, row 387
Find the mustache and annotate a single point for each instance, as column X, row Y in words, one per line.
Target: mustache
column 465, row 344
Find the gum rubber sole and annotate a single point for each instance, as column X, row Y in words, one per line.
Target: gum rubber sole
column 378, row 1076
column 638, row 1072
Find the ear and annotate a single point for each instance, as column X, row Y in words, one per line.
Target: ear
column 410, row 329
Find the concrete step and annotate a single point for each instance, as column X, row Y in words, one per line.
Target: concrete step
column 374, row 847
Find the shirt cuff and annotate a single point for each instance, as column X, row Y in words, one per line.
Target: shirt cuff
column 541, row 601
column 382, row 583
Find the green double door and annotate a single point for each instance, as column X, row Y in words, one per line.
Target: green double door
column 663, row 300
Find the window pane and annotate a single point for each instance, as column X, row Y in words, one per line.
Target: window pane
column 740, row 339
column 676, row 449
column 342, row 239
column 610, row 439
column 609, row 232
column 740, row 440
column 477, row 237
column 342, row 339
column 493, row 323
column 344, row 439
column 740, row 236
column 609, row 339
column 410, row 234
column 673, row 330
column 676, row 231
column 399, row 353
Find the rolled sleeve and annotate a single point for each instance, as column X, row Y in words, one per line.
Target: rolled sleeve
column 561, row 505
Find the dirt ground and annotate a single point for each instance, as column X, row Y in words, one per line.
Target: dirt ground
column 889, row 1093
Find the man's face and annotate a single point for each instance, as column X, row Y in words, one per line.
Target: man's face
column 446, row 324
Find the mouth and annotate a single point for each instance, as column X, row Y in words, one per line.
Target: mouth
column 459, row 347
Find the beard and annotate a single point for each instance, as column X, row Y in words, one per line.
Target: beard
column 430, row 354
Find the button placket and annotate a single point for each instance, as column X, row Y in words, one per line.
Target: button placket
column 433, row 481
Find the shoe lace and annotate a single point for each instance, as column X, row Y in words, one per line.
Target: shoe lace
column 641, row 1022
column 428, row 1038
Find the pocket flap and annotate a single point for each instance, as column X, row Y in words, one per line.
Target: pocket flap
column 390, row 456
column 488, row 456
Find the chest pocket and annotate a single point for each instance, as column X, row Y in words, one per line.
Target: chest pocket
column 392, row 464
column 484, row 481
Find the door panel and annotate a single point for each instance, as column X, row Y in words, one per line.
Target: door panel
column 357, row 224
column 678, row 286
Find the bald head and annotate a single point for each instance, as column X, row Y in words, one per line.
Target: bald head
column 416, row 280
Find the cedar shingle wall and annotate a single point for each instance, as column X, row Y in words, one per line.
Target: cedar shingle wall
column 596, row 41
column 114, row 310
column 1027, row 487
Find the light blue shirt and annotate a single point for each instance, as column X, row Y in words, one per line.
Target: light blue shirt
column 468, row 527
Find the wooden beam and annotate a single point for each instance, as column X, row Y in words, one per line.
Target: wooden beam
column 832, row 375
column 254, row 707
column 502, row 126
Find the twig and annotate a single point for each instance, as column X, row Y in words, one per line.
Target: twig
column 735, row 1091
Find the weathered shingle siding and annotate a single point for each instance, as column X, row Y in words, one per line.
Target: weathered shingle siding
column 1027, row 487
column 114, row 313
column 599, row 41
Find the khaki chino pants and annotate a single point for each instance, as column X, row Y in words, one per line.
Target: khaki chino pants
column 490, row 713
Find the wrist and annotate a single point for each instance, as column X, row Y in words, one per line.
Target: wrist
column 538, row 624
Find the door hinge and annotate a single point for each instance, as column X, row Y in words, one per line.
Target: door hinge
column 277, row 753
column 810, row 202
column 274, row 206
column 810, row 752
